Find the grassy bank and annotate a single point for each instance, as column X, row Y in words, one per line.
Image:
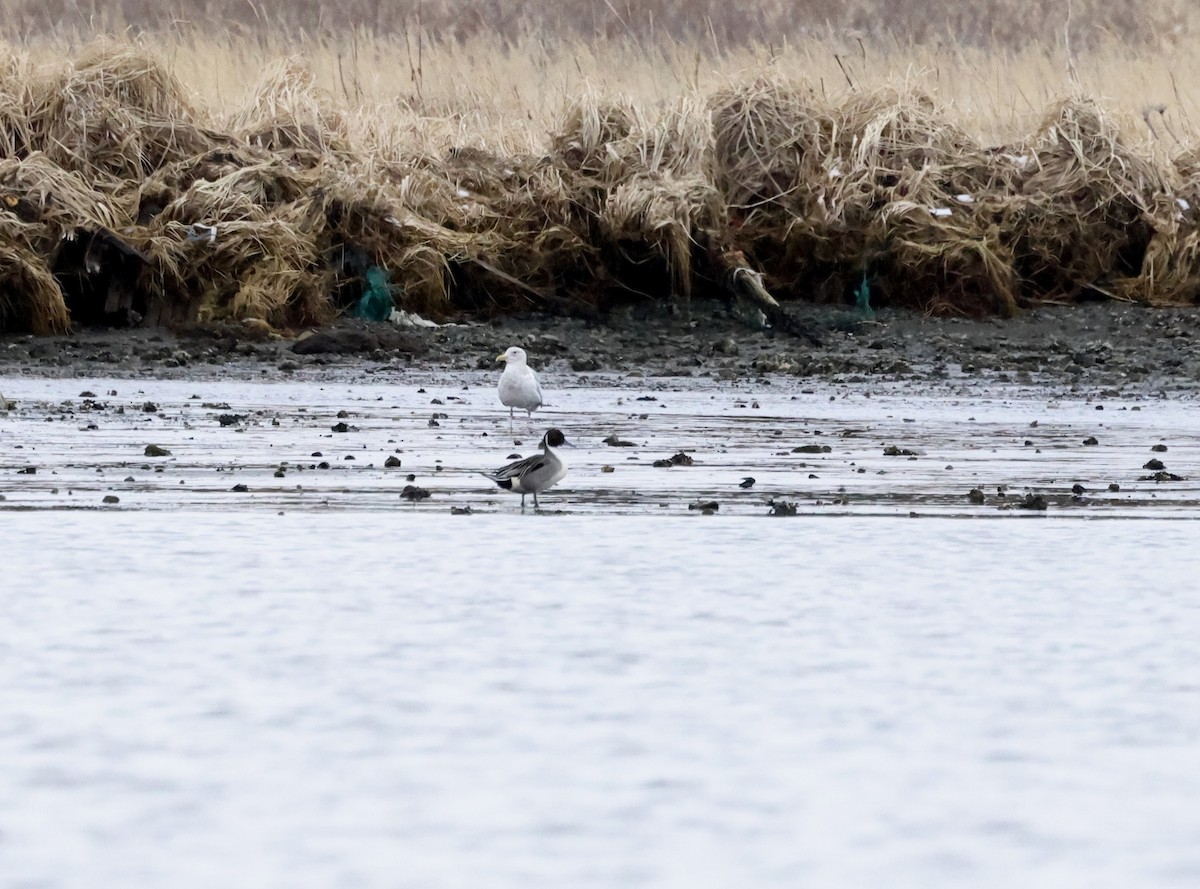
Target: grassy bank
column 281, row 174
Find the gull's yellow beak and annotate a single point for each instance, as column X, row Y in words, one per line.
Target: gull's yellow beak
column 501, row 358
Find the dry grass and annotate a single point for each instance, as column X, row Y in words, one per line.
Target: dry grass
column 624, row 159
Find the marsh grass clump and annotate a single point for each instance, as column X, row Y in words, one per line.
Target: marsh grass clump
column 1085, row 207
column 116, row 113
column 870, row 199
column 125, row 199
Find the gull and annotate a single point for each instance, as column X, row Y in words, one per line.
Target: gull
column 534, row 474
column 518, row 386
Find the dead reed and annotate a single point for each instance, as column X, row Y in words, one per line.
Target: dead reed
column 140, row 185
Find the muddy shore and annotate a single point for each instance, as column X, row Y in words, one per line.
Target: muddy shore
column 1111, row 348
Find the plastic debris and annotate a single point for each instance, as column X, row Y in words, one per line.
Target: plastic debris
column 376, row 301
column 401, row 318
column 202, row 233
column 862, row 298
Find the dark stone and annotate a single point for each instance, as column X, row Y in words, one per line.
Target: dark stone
column 391, row 463
column 413, row 493
column 1032, row 501
column 154, row 450
column 358, row 340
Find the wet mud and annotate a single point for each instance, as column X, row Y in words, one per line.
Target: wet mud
column 407, row 438
column 1093, row 348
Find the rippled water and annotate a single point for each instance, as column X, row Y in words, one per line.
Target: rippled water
column 616, row 692
column 279, row 443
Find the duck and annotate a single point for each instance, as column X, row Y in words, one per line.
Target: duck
column 518, row 386
column 535, row 474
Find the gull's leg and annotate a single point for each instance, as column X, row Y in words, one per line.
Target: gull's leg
column 510, row 421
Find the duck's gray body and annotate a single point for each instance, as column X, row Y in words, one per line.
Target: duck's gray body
column 535, row 474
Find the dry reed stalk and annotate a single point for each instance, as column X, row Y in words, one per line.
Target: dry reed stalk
column 874, row 191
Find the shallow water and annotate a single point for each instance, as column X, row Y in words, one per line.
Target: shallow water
column 1004, row 441
column 366, row 699
column 325, row 685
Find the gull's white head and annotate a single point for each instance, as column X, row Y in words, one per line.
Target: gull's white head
column 514, row 355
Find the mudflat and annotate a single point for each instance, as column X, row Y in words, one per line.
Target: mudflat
column 1110, row 347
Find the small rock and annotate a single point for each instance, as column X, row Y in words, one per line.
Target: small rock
column 1161, row 476
column 812, row 449
column 150, row 407
column 1154, row 465
column 1157, row 449
column 153, row 450
column 413, row 493
column 585, row 363
column 111, row 498
column 975, row 496
column 343, row 427
column 1114, row 487
column 613, row 442
column 781, row 508
column 1032, row 501
column 747, row 482
column 460, row 510
column 392, row 462
column 1091, row 440
column 608, row 468
column 240, row 488
column 679, row 459
column 707, row 507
